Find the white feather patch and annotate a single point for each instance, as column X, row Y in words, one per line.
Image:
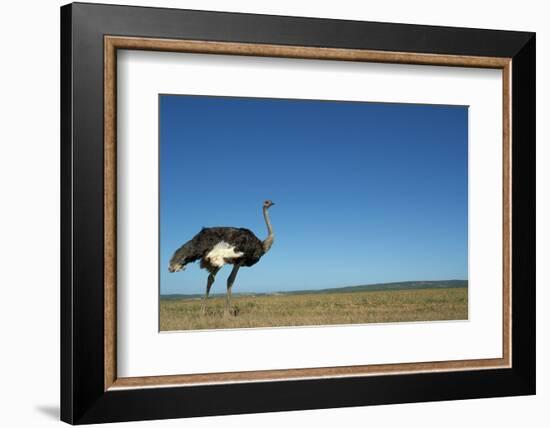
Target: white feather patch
column 222, row 251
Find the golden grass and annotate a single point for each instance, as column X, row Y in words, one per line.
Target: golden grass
column 317, row 309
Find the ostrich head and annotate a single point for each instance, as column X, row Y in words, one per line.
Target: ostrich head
column 268, row 204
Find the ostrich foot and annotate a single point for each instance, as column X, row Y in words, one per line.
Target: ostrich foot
column 231, row 311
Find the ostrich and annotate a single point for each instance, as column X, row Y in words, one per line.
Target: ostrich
column 217, row 246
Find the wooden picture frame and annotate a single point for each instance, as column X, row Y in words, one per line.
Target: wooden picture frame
column 91, row 390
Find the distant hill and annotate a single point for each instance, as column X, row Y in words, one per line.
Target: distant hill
column 388, row 286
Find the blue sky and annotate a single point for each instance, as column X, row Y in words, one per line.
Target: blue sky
column 364, row 192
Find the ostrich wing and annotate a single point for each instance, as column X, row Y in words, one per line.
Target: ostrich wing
column 187, row 253
column 203, row 242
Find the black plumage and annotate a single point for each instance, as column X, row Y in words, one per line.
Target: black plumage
column 243, row 241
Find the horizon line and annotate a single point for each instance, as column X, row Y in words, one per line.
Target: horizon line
column 323, row 289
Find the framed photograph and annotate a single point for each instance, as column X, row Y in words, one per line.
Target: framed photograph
column 266, row 213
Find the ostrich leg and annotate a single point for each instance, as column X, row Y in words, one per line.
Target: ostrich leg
column 210, row 281
column 230, row 281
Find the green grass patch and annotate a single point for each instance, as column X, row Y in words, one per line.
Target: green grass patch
column 356, row 307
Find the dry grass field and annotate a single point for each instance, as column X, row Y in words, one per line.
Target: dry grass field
column 316, row 309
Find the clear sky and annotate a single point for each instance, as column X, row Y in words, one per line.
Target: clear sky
column 364, row 192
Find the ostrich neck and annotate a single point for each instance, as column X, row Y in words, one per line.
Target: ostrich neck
column 268, row 242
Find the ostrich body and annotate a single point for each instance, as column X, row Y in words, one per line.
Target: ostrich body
column 217, row 246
